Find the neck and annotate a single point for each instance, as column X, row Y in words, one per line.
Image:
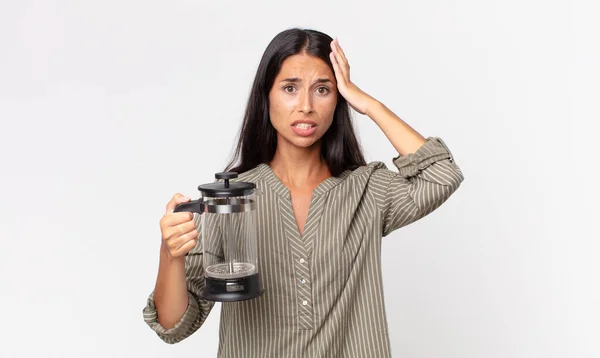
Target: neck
column 299, row 167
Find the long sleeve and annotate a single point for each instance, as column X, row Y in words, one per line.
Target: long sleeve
column 197, row 310
column 424, row 180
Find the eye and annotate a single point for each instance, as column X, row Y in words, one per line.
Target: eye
column 323, row 90
column 289, row 89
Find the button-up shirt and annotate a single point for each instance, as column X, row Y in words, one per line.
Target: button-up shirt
column 323, row 288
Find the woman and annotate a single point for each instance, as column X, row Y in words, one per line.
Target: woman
column 322, row 213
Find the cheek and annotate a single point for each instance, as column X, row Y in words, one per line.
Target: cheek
column 328, row 108
column 278, row 108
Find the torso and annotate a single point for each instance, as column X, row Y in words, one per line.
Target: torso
column 334, row 267
column 302, row 196
column 300, row 205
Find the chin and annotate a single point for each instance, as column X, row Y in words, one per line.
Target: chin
column 303, row 142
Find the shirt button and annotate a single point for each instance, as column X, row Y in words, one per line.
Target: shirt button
column 303, row 281
column 301, row 261
column 304, row 303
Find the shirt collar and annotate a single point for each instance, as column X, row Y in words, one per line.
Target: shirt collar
column 273, row 181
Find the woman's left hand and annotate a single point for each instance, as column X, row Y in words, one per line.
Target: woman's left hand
column 357, row 98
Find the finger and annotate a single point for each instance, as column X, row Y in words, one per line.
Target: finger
column 174, row 231
column 176, row 200
column 185, row 248
column 339, row 49
column 173, row 219
column 341, row 60
column 186, row 227
column 177, row 243
column 339, row 76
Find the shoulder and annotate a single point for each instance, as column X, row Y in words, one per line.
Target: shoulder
column 373, row 170
column 362, row 178
column 254, row 175
column 370, row 168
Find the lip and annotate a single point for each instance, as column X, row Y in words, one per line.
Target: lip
column 302, row 132
column 312, row 123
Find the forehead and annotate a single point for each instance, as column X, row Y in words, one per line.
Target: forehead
column 304, row 65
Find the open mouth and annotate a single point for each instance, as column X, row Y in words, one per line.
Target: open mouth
column 304, row 125
column 304, row 129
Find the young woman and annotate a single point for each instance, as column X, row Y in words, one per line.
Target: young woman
column 323, row 212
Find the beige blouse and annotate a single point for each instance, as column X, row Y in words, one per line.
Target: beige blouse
column 323, row 289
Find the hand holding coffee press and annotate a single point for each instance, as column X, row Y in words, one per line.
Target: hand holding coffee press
column 179, row 234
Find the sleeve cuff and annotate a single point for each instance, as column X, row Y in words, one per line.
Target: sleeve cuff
column 184, row 324
column 432, row 151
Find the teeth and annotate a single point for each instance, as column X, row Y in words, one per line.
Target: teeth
column 303, row 126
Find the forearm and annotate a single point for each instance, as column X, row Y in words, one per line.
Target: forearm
column 170, row 293
column 404, row 138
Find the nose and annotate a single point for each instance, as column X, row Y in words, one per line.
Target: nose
column 306, row 103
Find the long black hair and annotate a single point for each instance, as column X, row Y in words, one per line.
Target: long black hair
column 258, row 139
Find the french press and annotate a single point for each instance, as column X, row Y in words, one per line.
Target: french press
column 229, row 234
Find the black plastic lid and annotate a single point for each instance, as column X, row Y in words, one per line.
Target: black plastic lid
column 225, row 188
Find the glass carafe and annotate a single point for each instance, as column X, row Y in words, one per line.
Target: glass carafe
column 229, row 234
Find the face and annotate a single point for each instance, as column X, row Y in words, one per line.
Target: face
column 302, row 100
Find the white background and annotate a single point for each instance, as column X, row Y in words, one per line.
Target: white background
column 108, row 108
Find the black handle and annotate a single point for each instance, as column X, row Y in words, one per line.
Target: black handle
column 194, row 206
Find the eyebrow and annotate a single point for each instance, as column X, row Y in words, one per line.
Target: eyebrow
column 296, row 79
